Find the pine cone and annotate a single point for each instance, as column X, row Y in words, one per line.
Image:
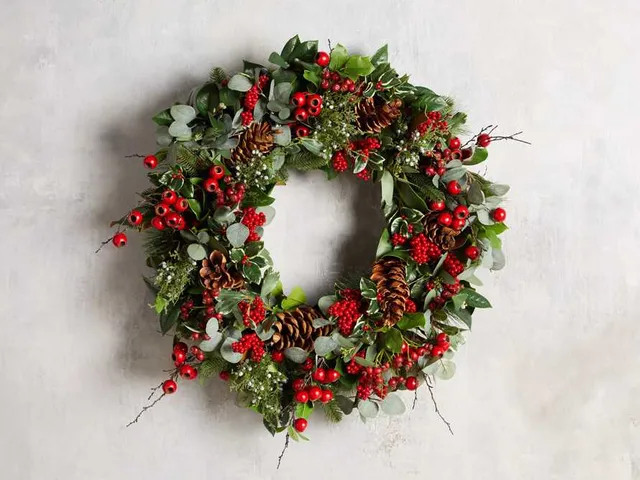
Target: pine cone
column 215, row 275
column 257, row 138
column 393, row 291
column 294, row 328
column 373, row 117
column 444, row 237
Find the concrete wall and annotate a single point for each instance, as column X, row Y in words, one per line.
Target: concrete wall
column 548, row 385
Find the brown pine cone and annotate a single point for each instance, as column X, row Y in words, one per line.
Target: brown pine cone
column 294, row 328
column 389, row 274
column 215, row 274
column 444, row 237
column 257, row 138
column 373, row 117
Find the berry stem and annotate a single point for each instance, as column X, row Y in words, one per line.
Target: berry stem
column 435, row 405
column 134, row 155
column 108, row 240
column 284, row 449
column 145, row 408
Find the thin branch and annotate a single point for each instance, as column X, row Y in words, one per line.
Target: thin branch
column 488, row 130
column 510, row 137
column 104, row 243
column 154, row 390
column 134, row 155
column 329, row 43
column 415, row 400
column 286, row 445
column 435, row 406
column 144, row 409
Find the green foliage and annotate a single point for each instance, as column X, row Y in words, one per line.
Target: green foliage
column 305, row 160
column 173, row 276
column 159, row 244
column 332, row 411
column 423, row 184
column 217, row 75
column 213, row 365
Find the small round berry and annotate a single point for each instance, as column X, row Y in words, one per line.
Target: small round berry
column 458, row 223
column 445, row 218
column 437, row 205
column 135, row 217
column 499, row 214
column 323, row 59
column 157, row 223
column 315, row 393
column 307, row 365
column 298, row 384
column 169, row 197
column 324, row 84
column 300, row 425
column 332, row 376
column 437, row 351
column 411, row 383
column 441, row 338
column 119, row 240
column 216, row 172
column 179, row 358
column 302, row 131
column 300, row 114
column 302, row 396
column 472, row 252
column 224, row 375
column 150, row 161
column 314, row 100
column 172, row 220
column 277, row 356
column 327, row 396
column 336, row 87
column 210, row 185
column 430, row 171
column 299, row 99
column 169, row 387
column 484, row 140
column 461, row 212
column 188, row 372
column 162, row 209
column 314, row 111
column 319, row 375
column 404, row 348
column 181, row 205
column 180, row 347
column 453, row 187
column 454, row 143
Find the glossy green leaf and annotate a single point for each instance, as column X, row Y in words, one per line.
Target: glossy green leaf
column 474, row 299
column 412, row 320
column 393, row 340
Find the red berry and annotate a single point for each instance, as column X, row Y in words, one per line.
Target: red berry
column 300, row 114
column 499, row 215
column 445, row 218
column 302, row 396
column 277, row 356
column 150, row 161
column 324, row 84
column 437, row 351
column 319, row 375
column 315, row 393
column 216, row 172
column 181, row 205
column 157, row 223
column 169, row 197
column 180, row 347
column 454, row 188
column 458, row 223
column 461, row 212
column 332, row 376
column 162, row 209
column 437, row 206
column 298, row 384
column 323, row 59
column 336, row 87
column 179, row 358
column 169, row 387
column 188, row 372
column 441, row 338
column 300, row 425
column 314, row 100
column 472, row 252
column 454, row 143
column 484, row 140
column 314, row 111
column 210, row 185
column 411, row 383
column 327, row 396
column 301, row 131
column 430, row 171
column 172, row 220
column 135, row 217
column 224, row 375
column 299, row 99
column 307, row 365
column 119, row 240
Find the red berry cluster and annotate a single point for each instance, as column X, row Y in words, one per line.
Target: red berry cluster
column 185, row 309
column 436, row 159
column 339, row 161
column 450, row 289
column 441, row 346
column 353, row 367
column 453, row 266
column 364, row 175
column 433, row 123
column 347, row 310
column 336, row 83
column 398, row 239
column 251, row 99
column 422, row 250
column 253, row 312
column 371, row 381
column 228, row 194
column 252, row 342
column 168, row 211
column 253, row 220
column 307, row 105
column 410, row 306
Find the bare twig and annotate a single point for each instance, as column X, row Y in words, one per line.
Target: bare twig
column 134, row 155
column 103, row 244
column 286, row 445
column 329, row 43
column 415, row 400
column 510, row 137
column 144, row 409
column 435, row 406
column 154, row 390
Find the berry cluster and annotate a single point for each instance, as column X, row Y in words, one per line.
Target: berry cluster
column 336, row 83
column 185, row 309
column 453, row 266
column 422, row 250
column 339, row 161
column 307, row 105
column 251, row 99
column 252, row 313
column 433, row 123
column 250, row 341
column 410, row 306
column 232, row 194
column 346, row 311
column 253, row 220
column 371, row 381
column 441, row 346
column 168, row 212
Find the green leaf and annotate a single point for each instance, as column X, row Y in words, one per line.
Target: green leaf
column 339, row 57
column 479, row 156
column 462, row 315
column 269, row 283
column 240, row 83
column 227, row 300
column 357, row 66
column 364, row 362
column 324, row 345
column 393, row 340
column 289, row 47
column 490, row 235
column 276, row 59
column 381, row 56
column 305, row 161
column 332, row 411
column 345, row 404
column 227, row 351
column 393, row 405
column 163, row 118
column 296, row 297
column 257, row 198
column 282, row 135
column 458, row 300
column 453, row 174
column 368, row 409
column 386, row 185
column 412, row 320
column 296, row 354
column 325, row 302
column 499, row 260
column 195, row 207
column 313, row 145
column 410, row 198
column 183, row 113
column 237, row 234
column 384, row 245
column 443, row 369
column 312, row 77
column 304, row 410
column 203, row 237
column 475, row 195
column 304, row 51
column 474, row 299
column 499, row 189
column 423, row 185
column 196, row 252
column 169, row 320
column 252, row 272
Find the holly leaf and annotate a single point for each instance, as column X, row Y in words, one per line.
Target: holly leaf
column 393, row 340
column 252, row 272
column 412, row 320
column 474, row 299
column 357, row 66
column 296, row 297
column 381, row 56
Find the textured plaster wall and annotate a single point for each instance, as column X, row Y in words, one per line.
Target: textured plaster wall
column 548, row 386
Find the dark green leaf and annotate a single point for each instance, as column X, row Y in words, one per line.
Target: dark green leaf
column 393, row 340
column 381, row 56
column 474, row 299
column 384, row 245
column 276, row 59
column 252, row 272
column 289, row 47
column 479, row 155
column 345, row 404
column 410, row 198
column 412, row 320
column 169, row 320
column 163, row 118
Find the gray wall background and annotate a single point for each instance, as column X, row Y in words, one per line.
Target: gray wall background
column 548, row 385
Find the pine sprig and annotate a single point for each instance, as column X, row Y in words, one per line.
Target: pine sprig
column 423, row 183
column 332, row 411
column 217, row 75
column 305, row 160
column 190, row 161
column 212, row 366
column 159, row 243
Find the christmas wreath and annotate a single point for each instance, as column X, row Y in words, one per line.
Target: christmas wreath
column 216, row 289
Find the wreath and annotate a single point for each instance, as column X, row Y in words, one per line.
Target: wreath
column 216, row 289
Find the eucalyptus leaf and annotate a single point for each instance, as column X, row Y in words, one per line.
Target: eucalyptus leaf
column 226, row 351
column 179, row 130
column 499, row 189
column 475, row 194
column 269, row 213
column 296, row 354
column 212, row 343
column 240, row 83
column 203, row 237
column 324, row 345
column 320, row 322
column 325, row 302
column 282, row 135
column 498, row 259
column 163, row 137
column 183, row 113
column 368, row 409
column 393, row 405
column 237, row 234
column 196, row 252
column 313, row 145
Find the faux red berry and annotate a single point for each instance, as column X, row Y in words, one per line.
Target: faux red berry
column 319, row 375
column 169, row 197
column 314, row 111
column 135, row 217
column 461, row 212
column 300, row 114
column 325, row 84
column 277, row 357
column 484, row 140
column 162, row 209
column 327, row 396
column 307, row 365
column 411, row 383
column 314, row 100
column 210, row 185
column 458, row 223
column 472, row 252
column 302, row 396
column 336, row 87
column 169, row 387
column 332, row 376
column 437, row 351
column 300, row 425
column 188, row 372
column 298, row 384
column 216, row 172
column 323, row 59
column 150, row 161
column 453, row 187
column 181, row 205
column 224, row 375
column 302, row 131
column 315, row 393
column 180, row 347
column 172, row 219
column 179, row 358
column 454, row 143
column 119, row 240
column 437, row 206
column 157, row 223
column 441, row 338
column 247, row 117
column 499, row 215
column 299, row 99
column 445, row 218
